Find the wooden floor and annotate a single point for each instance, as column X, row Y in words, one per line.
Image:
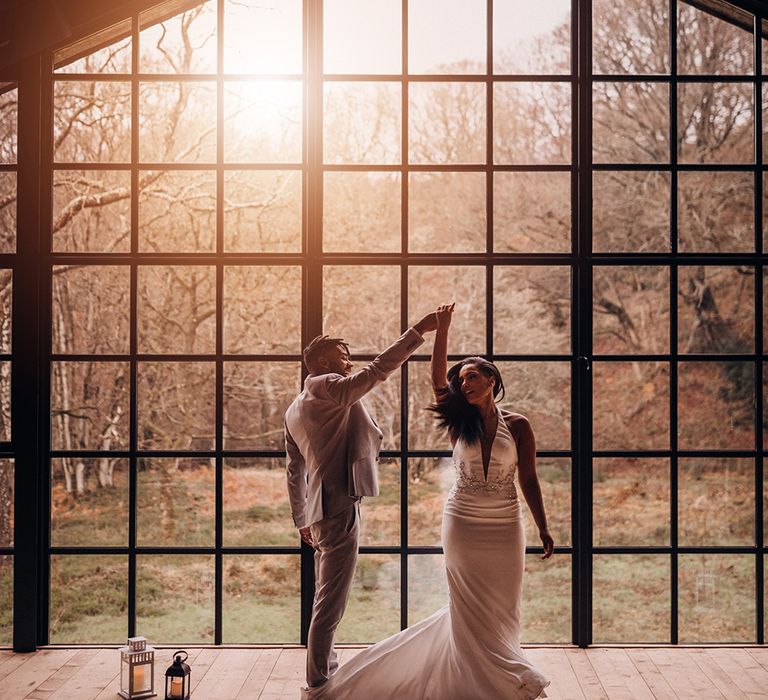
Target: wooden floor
column 274, row 674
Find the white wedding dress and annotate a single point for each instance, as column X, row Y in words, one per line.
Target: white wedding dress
column 470, row 649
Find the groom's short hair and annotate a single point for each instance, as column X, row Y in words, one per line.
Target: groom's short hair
column 319, row 347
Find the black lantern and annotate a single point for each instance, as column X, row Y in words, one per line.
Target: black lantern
column 177, row 678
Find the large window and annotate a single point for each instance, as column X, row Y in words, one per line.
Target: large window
column 8, row 178
column 585, row 179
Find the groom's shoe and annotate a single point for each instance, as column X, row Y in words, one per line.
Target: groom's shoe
column 307, row 693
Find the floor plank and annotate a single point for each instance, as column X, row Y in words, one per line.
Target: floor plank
column 260, row 673
column 287, row 676
column 554, row 664
column 760, row 655
column 749, row 676
column 227, row 674
column 651, row 675
column 598, row 673
column 585, row 675
column 34, row 671
column 683, row 675
column 95, row 675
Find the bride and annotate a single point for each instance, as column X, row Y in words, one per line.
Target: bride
column 470, row 649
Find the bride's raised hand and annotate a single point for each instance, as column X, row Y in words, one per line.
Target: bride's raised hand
column 444, row 313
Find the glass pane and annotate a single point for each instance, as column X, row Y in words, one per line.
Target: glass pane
column 177, row 211
column 6, row 309
column 630, row 500
column 542, row 392
column 765, row 425
column 423, row 433
column 546, row 601
column 91, row 122
column 362, row 36
column 89, row 502
column 384, row 405
column 708, row 45
column 373, row 611
column 361, row 123
column 175, row 502
column 446, row 123
column 91, row 309
column 765, row 49
column 531, row 38
column 89, row 599
column 5, row 401
column 531, row 212
column 715, row 123
column 429, row 286
column 256, row 395
column 532, row 123
column 427, row 586
column 380, row 517
column 765, row 121
column 372, row 288
column 716, row 309
column 446, row 36
column 631, row 600
column 176, row 405
column 89, row 405
column 631, row 36
column 113, row 58
column 555, row 478
column 91, row 211
column 715, row 404
column 174, row 597
column 256, row 508
column 361, row 212
column 531, row 310
column 630, row 309
column 6, row 599
column 262, row 37
column 262, row 211
column 447, row 213
column 630, row 212
column 717, row 598
column 176, row 309
column 631, row 406
column 184, row 43
column 7, row 212
column 177, row 122
column 6, row 509
column 262, row 121
column 765, row 201
column 9, row 123
column 261, row 599
column 716, row 212
column 429, row 481
column 717, row 501
column 262, row 309
column 630, row 122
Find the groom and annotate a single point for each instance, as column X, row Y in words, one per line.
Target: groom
column 332, row 446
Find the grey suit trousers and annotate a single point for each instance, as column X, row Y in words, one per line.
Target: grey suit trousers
column 336, row 540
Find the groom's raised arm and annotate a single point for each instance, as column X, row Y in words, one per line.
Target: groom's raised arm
column 347, row 390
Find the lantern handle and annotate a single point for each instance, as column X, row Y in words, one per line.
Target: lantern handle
column 177, row 655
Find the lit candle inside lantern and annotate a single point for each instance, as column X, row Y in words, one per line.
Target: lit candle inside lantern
column 139, row 677
column 176, row 686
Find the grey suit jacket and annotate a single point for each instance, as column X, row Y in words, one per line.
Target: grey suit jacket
column 331, row 441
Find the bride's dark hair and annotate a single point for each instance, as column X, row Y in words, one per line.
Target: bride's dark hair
column 453, row 412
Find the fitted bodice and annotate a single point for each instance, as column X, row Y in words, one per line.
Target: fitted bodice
column 502, row 464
